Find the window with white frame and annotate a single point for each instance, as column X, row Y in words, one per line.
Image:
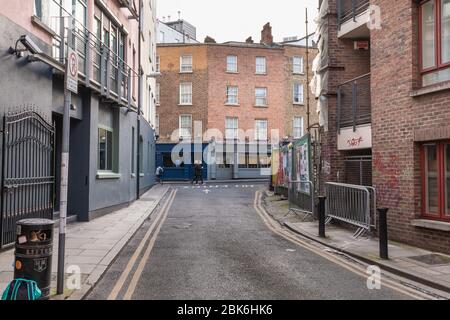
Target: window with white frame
column 232, row 64
column 185, row 126
column 158, row 64
column 298, row 93
column 298, row 127
column 231, row 127
column 261, row 65
column 232, row 95
column 297, row 65
column 157, row 93
column 261, row 97
column 186, row 63
column 186, row 93
column 260, row 130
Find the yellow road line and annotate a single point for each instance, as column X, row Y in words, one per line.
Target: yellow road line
column 355, row 269
column 126, row 272
column 138, row 273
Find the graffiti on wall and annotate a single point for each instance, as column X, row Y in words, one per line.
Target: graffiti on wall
column 387, row 168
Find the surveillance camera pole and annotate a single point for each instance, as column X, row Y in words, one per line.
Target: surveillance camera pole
column 64, row 158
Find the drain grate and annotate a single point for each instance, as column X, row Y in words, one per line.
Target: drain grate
column 432, row 259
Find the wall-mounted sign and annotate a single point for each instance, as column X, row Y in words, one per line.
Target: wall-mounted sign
column 72, row 71
column 355, row 140
column 361, row 45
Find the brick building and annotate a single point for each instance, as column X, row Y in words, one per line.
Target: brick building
column 387, row 102
column 240, row 92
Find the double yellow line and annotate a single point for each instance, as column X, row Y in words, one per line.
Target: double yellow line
column 276, row 228
column 156, row 225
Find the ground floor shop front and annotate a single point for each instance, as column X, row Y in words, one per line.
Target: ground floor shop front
column 220, row 161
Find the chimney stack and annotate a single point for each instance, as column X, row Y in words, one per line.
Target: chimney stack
column 208, row 39
column 266, row 34
column 249, row 40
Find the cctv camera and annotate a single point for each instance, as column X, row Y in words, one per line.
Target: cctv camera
column 30, row 45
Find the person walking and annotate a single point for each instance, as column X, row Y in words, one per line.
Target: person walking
column 159, row 175
column 198, row 173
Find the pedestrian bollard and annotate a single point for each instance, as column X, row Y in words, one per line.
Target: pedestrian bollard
column 34, row 250
column 322, row 216
column 383, row 233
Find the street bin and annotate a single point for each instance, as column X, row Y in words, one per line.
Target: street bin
column 33, row 254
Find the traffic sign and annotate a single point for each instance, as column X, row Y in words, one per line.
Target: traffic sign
column 72, row 71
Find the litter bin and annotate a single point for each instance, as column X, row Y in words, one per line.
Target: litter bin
column 33, row 254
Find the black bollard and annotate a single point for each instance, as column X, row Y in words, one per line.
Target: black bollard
column 383, row 233
column 322, row 216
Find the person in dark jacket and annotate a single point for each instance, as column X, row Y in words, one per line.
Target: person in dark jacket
column 198, row 173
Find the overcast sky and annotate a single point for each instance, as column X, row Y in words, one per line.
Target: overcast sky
column 227, row 20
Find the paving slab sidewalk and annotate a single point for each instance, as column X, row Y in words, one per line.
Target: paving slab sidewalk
column 402, row 257
column 92, row 246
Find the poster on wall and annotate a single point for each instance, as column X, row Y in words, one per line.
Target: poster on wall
column 302, row 164
column 280, row 176
column 288, row 176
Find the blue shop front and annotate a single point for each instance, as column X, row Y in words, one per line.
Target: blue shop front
column 178, row 160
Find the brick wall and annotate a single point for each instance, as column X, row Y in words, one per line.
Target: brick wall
column 169, row 109
column 396, row 116
column 246, row 80
column 290, row 79
column 345, row 64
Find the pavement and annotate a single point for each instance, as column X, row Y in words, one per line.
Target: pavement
column 92, row 246
column 210, row 242
column 429, row 268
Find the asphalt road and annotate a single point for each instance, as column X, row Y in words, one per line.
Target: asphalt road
column 214, row 245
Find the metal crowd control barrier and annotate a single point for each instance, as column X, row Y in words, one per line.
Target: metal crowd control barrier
column 352, row 204
column 299, row 201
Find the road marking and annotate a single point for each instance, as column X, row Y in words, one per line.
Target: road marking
column 123, row 277
column 206, row 191
column 138, row 273
column 357, row 270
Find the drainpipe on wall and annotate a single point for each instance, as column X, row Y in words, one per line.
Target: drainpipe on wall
column 138, row 125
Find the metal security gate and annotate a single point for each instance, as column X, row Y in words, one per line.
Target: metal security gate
column 358, row 170
column 27, row 181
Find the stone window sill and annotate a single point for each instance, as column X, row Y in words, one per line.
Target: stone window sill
column 108, row 175
column 232, row 72
column 185, row 104
column 258, row 106
column 38, row 22
column 431, row 224
column 431, row 89
column 141, row 175
column 232, row 104
column 299, row 104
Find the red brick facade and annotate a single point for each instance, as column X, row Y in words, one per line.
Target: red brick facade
column 247, row 81
column 403, row 117
column 210, row 80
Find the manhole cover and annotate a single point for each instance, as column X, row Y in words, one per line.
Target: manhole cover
column 432, row 259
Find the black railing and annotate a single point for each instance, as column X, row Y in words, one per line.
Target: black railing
column 354, row 103
column 97, row 61
column 350, row 9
